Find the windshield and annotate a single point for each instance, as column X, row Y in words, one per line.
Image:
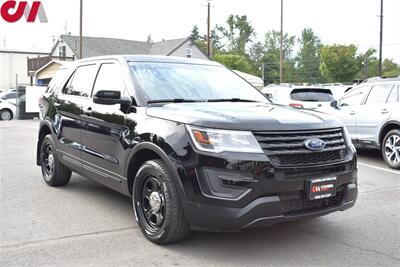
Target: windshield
column 159, row 81
column 312, row 95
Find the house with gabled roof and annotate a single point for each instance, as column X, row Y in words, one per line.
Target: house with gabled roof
column 68, row 46
column 67, row 49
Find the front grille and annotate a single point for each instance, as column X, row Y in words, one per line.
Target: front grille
column 299, row 206
column 288, row 149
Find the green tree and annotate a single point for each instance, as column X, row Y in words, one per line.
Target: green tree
column 339, row 63
column 238, row 33
column 308, row 57
column 256, row 54
column 234, row 62
column 195, row 34
column 390, row 68
column 201, row 41
column 370, row 64
column 271, row 57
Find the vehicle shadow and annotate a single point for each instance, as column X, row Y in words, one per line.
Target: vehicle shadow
column 233, row 248
column 260, row 246
column 372, row 154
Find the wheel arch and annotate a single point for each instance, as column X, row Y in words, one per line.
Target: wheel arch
column 388, row 126
column 44, row 130
column 147, row 151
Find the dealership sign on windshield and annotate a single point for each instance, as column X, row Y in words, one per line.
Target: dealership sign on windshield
column 13, row 11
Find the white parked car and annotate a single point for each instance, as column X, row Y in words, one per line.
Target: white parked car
column 9, row 96
column 308, row 97
column 371, row 114
column 7, row 110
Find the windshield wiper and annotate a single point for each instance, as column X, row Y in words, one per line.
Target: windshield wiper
column 231, row 100
column 173, row 100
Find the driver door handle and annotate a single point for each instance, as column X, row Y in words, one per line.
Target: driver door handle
column 384, row 111
column 353, row 113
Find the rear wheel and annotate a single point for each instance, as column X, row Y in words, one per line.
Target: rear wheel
column 6, row 115
column 391, row 149
column 54, row 173
column 157, row 206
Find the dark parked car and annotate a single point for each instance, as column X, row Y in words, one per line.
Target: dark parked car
column 195, row 145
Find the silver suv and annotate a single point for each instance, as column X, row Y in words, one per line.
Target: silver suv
column 371, row 113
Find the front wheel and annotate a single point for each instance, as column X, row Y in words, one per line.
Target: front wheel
column 6, row 115
column 157, row 205
column 391, row 149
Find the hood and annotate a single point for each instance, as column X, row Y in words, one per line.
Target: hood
column 243, row 116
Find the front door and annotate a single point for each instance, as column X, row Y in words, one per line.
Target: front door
column 349, row 108
column 104, row 145
column 375, row 112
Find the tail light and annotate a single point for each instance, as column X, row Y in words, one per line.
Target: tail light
column 296, row 105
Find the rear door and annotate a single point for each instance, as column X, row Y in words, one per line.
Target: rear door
column 68, row 105
column 350, row 104
column 104, row 145
column 376, row 110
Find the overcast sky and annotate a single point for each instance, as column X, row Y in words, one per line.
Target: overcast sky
column 335, row 21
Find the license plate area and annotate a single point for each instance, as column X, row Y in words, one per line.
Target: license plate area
column 321, row 188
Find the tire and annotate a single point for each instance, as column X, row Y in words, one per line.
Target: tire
column 6, row 115
column 54, row 173
column 157, row 206
column 391, row 149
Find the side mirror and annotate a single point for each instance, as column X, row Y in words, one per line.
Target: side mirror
column 106, row 97
column 268, row 95
column 335, row 104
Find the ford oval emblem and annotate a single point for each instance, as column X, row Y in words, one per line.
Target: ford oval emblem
column 314, row 144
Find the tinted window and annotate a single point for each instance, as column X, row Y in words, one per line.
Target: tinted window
column 312, row 95
column 10, row 95
column 109, row 78
column 379, row 94
column 190, row 81
column 393, row 97
column 57, row 80
column 354, row 96
column 81, row 82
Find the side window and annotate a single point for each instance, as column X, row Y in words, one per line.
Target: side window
column 379, row 94
column 56, row 81
column 109, row 78
column 81, row 83
column 354, row 97
column 394, row 95
column 10, row 95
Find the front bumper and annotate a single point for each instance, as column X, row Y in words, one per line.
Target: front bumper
column 263, row 211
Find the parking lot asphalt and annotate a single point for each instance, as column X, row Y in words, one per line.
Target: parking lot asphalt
column 87, row 224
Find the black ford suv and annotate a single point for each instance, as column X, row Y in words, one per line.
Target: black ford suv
column 195, row 145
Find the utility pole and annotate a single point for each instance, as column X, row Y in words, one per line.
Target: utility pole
column 380, row 41
column 281, row 48
column 80, row 29
column 208, row 30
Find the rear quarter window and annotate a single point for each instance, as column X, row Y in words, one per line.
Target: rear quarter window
column 57, row 81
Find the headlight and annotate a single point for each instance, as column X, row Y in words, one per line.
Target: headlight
column 217, row 141
column 347, row 138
